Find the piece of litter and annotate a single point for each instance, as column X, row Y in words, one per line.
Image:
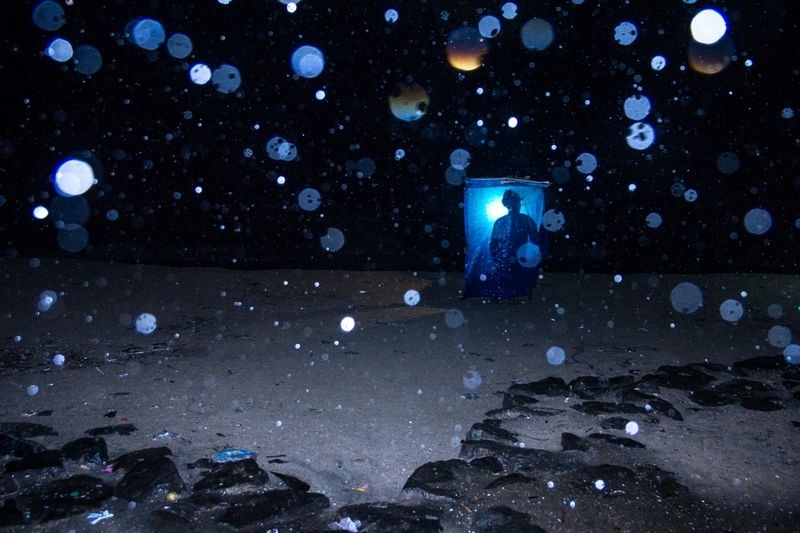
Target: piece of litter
column 96, row 517
column 164, row 434
column 345, row 524
column 469, row 396
column 229, row 456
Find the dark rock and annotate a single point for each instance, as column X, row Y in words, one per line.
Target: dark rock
column 10, row 515
column 232, row 474
column 512, row 401
column 762, row 404
column 167, row 520
column 89, row 449
column 126, row 461
column 62, row 498
column 510, row 479
column 710, row 398
column 571, row 442
column 490, row 429
column 608, row 408
column 652, row 404
column 502, row 519
column 679, row 377
column 523, row 412
column 292, row 482
column 273, row 505
column 393, row 518
column 661, row 482
column 119, row 429
column 433, row 479
column 549, row 386
column 19, row 447
column 615, row 422
column 589, row 387
column 617, row 441
column 52, row 459
column 201, row 463
column 763, row 362
column 492, row 464
column 26, row 430
column 8, row 487
column 745, row 388
column 147, row 476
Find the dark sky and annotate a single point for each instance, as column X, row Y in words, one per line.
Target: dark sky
column 152, row 136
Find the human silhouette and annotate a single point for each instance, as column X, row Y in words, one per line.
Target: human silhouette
column 516, row 247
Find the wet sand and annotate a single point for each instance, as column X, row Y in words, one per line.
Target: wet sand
column 257, row 360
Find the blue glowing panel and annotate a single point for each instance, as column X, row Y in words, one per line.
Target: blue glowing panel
column 505, row 239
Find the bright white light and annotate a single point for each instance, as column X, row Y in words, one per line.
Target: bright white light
column 40, row 212
column 411, row 297
column 320, row 95
column 658, row 62
column 200, row 74
column 708, row 26
column 308, row 61
column 512, row 122
column 495, row 209
column 74, row 177
column 347, row 324
column 146, row 323
column 291, row 7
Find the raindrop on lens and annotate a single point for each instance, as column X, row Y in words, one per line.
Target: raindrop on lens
column 411, row 297
column 472, row 379
column 556, row 355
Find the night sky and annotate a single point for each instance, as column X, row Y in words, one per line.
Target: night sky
column 184, row 177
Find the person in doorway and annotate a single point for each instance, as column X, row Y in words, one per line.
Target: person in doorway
column 516, row 248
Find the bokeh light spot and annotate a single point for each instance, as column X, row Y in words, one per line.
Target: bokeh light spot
column 411, row 297
column 409, row 102
column 731, row 310
column 686, row 298
column 73, row 177
column 641, row 136
column 556, row 355
column 391, row 16
column 200, row 74
column 308, row 61
column 637, row 107
column 465, row 49
column 179, row 46
column 59, row 50
column 333, row 240
column 758, row 221
column 537, row 34
column 148, row 34
column 347, row 324
column 460, row 159
column 625, row 33
column 309, row 199
column 87, row 59
column 48, row 15
column 708, row 26
column 489, row 26
column 553, row 220
column 226, row 78
column 658, row 62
